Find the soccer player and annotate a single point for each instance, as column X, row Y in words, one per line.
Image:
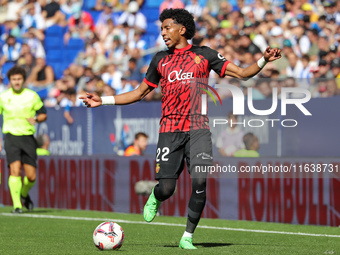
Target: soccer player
column 182, row 136
column 21, row 109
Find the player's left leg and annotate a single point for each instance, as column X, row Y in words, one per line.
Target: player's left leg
column 170, row 164
column 29, row 160
column 29, row 181
column 198, row 153
column 196, row 206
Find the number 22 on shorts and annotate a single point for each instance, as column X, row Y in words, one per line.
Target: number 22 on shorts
column 162, row 153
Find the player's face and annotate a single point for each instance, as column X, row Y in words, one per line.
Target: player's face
column 172, row 32
column 17, row 82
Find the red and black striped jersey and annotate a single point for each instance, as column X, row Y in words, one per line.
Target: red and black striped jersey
column 181, row 73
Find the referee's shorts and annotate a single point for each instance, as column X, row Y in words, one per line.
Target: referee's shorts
column 22, row 148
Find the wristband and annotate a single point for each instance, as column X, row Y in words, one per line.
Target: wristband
column 108, row 100
column 261, row 62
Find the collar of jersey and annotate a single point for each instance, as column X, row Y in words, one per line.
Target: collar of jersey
column 14, row 93
column 183, row 49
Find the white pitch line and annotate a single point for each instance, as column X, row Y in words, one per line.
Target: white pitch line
column 164, row 224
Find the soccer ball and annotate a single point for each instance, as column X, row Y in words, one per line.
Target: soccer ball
column 108, row 236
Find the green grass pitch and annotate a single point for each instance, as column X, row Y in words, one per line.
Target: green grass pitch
column 70, row 232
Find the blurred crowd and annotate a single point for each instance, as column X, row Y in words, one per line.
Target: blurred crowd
column 118, row 48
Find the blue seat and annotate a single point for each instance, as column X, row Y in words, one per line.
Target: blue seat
column 75, row 43
column 2, row 29
column 70, row 55
column 153, row 3
column 6, row 67
column 152, row 29
column 151, row 14
column 57, row 68
column 202, row 2
column 43, row 93
column 54, row 42
column 55, row 31
column 150, row 40
column 147, row 58
column 94, row 14
column 5, row 80
column 19, row 40
column 89, row 4
column 4, row 70
column 64, row 65
column 54, row 55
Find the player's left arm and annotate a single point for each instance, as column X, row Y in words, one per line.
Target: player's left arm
column 245, row 73
column 41, row 112
column 41, row 117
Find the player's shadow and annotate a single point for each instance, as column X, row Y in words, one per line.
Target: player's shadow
column 203, row 245
column 37, row 211
column 212, row 244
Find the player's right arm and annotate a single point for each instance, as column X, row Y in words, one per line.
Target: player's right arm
column 150, row 82
column 93, row 100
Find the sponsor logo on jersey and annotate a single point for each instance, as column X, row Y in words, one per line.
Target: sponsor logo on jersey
column 157, row 168
column 179, row 76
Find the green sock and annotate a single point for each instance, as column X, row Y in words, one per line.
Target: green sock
column 15, row 184
column 27, row 186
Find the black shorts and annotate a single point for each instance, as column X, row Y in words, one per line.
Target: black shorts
column 22, row 148
column 173, row 149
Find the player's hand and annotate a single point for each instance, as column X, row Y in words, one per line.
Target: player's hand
column 272, row 54
column 91, row 100
column 32, row 121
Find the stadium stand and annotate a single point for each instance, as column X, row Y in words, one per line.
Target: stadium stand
column 89, row 4
column 220, row 26
column 4, row 70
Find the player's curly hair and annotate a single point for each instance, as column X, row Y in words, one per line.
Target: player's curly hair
column 180, row 16
column 16, row 70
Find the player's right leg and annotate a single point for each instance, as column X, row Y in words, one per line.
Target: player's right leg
column 169, row 165
column 13, row 157
column 161, row 192
column 151, row 207
column 15, row 185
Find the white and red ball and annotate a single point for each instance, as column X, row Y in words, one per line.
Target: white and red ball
column 108, row 236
